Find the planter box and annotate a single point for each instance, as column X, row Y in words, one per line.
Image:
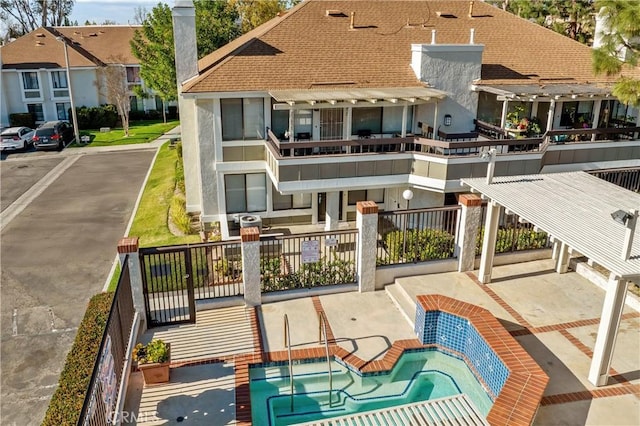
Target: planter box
column 156, row 372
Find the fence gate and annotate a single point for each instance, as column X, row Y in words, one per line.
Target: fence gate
column 168, row 285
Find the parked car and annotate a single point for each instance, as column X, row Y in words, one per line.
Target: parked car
column 15, row 138
column 53, row 135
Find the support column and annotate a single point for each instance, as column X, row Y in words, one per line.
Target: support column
column 505, row 109
column 291, row 125
column 470, row 221
column 607, row 330
column 367, row 225
column 551, row 114
column 332, row 215
column 130, row 246
column 556, row 250
column 596, row 117
column 489, row 242
column 251, row 265
column 562, row 265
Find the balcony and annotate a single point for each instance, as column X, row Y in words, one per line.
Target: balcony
column 438, row 164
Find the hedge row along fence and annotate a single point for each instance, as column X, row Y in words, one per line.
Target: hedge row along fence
column 66, row 403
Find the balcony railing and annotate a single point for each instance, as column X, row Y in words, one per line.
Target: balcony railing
column 454, row 145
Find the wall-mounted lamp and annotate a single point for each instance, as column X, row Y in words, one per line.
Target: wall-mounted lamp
column 629, row 220
column 621, row 216
column 447, row 120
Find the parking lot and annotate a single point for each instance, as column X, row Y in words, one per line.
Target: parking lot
column 68, row 210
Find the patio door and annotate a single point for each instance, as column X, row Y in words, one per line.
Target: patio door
column 331, row 124
column 322, row 206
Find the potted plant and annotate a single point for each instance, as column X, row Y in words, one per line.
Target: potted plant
column 153, row 360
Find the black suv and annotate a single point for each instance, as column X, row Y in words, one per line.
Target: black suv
column 53, row 135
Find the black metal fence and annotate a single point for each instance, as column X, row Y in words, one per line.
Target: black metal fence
column 174, row 277
column 625, row 178
column 417, row 235
column 99, row 406
column 513, row 234
column 308, row 260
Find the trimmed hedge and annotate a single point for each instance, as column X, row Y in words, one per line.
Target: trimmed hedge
column 419, row 245
column 66, row 403
column 515, row 239
column 20, row 119
column 96, row 117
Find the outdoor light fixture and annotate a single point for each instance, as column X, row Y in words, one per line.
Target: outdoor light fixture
column 490, row 156
column 447, row 120
column 621, row 216
column 629, row 220
column 407, row 194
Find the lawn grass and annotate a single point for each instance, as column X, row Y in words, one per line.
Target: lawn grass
column 139, row 132
column 150, row 222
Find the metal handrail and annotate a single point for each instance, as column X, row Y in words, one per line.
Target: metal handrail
column 287, row 341
column 322, row 329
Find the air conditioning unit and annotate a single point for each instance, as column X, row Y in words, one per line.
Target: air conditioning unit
column 250, row 220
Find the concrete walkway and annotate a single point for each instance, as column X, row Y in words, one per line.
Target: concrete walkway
column 554, row 317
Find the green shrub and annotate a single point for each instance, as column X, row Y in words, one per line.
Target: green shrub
column 20, row 119
column 514, row 239
column 420, row 245
column 67, row 400
column 322, row 273
column 178, row 212
column 96, row 117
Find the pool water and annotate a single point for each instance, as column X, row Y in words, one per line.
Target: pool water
column 418, row 376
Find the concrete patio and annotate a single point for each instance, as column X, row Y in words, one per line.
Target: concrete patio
column 553, row 316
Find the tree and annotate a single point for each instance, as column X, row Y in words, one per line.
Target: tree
column 620, row 48
column 153, row 43
column 140, row 14
column 254, row 13
column 112, row 83
column 31, row 14
column 573, row 18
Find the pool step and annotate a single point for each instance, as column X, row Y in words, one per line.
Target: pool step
column 403, row 301
column 457, row 410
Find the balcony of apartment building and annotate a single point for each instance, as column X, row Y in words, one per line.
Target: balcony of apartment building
column 314, row 146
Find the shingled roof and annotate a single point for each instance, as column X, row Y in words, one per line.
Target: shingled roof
column 88, row 46
column 310, row 47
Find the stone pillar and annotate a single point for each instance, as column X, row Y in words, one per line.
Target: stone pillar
column 607, row 330
column 332, row 215
column 129, row 246
column 251, row 265
column 489, row 242
column 367, row 224
column 562, row 264
column 470, row 221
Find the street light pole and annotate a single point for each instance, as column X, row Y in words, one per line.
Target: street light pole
column 407, row 195
column 73, row 106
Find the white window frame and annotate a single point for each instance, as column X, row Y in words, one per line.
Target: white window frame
column 23, row 91
column 53, row 89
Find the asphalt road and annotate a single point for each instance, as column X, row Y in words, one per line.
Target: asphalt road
column 56, row 254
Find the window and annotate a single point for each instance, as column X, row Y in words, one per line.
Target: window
column 242, row 118
column 295, row 201
column 59, row 84
column 246, row 193
column 392, row 119
column 279, row 121
column 133, row 75
column 366, row 119
column 31, row 85
column 36, row 111
column 134, row 104
column 62, row 109
column 376, row 195
column 576, row 114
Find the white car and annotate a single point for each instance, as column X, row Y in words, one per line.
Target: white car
column 15, row 138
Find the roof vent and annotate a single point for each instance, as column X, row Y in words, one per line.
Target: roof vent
column 39, row 43
column 93, row 35
column 76, row 32
column 40, row 35
column 447, row 15
column 335, row 13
